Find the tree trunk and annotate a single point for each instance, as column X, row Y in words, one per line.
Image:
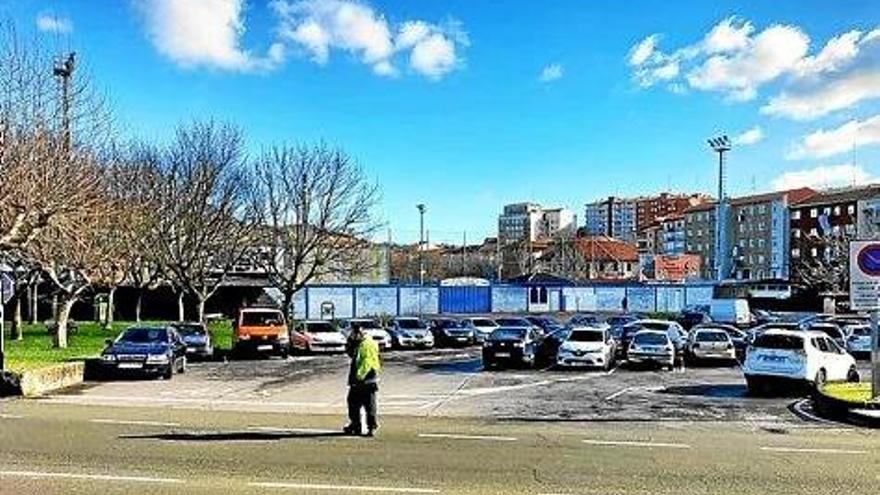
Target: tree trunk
column 34, row 305
column 55, row 306
column 137, row 305
column 111, row 307
column 201, row 309
column 17, row 320
column 180, row 308
column 62, row 317
column 288, row 302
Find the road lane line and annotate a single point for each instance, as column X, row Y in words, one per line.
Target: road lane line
column 11, row 416
column 106, row 421
column 342, row 488
column 455, row 436
column 618, row 393
column 90, row 399
column 620, row 443
column 791, row 450
column 93, row 477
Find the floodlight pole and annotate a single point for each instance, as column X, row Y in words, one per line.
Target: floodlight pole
column 421, row 207
column 720, row 145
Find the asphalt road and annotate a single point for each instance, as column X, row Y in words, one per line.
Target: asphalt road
column 62, row 448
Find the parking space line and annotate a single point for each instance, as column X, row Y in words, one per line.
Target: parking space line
column 11, row 416
column 341, row 488
column 621, row 443
column 106, row 421
column 792, row 450
column 455, row 436
column 91, row 477
column 618, row 393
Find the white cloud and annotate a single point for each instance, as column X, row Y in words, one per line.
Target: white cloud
column 51, row 23
column 823, row 176
column 551, row 73
column 749, row 137
column 738, row 60
column 824, row 143
column 202, row 33
column 319, row 27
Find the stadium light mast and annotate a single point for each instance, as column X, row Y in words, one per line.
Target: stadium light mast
column 421, row 207
column 720, row 145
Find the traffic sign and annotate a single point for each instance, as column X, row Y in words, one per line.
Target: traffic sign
column 864, row 275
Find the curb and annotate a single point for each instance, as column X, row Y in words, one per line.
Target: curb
column 35, row 383
column 865, row 414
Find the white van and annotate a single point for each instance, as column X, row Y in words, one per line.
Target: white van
column 730, row 311
column 796, row 356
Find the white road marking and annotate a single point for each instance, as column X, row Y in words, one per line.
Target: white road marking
column 93, row 477
column 105, row 421
column 611, row 371
column 620, row 443
column 342, row 488
column 455, row 436
column 791, row 450
column 281, row 429
column 80, row 399
column 11, row 416
column 618, row 393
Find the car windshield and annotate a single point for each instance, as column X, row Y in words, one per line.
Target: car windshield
column 508, row 334
column 619, row 320
column 829, row 330
column 483, row 323
column 861, row 331
column 187, row 330
column 781, row 342
column 144, row 335
column 410, row 324
column 513, row 322
column 448, row 324
column 320, row 327
column 651, row 339
column 654, row 325
column 261, row 318
column 587, row 336
column 364, row 324
column 712, row 336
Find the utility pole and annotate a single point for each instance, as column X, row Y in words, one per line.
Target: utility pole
column 463, row 252
column 421, row 207
column 63, row 70
column 720, row 145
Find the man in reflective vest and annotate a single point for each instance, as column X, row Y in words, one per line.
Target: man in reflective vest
column 363, row 381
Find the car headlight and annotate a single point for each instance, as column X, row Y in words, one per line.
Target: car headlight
column 157, row 358
column 244, row 336
column 519, row 345
column 108, row 358
column 284, row 337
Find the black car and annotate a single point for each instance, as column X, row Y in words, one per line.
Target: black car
column 197, row 339
column 451, row 332
column 152, row 351
column 690, row 319
column 585, row 320
column 616, row 324
column 510, row 346
column 547, row 324
column 517, row 322
column 549, row 347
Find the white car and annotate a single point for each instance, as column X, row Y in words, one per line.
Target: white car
column 859, row 341
column 652, row 347
column 710, row 344
column 371, row 328
column 317, row 336
column 410, row 332
column 482, row 327
column 587, row 346
column 796, row 356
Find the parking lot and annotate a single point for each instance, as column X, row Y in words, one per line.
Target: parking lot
column 451, row 382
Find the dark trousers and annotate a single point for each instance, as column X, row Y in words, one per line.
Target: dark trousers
column 362, row 395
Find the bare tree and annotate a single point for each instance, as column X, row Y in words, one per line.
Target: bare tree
column 315, row 209
column 201, row 228
column 828, row 271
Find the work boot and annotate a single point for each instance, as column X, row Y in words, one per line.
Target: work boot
column 352, row 430
column 371, row 432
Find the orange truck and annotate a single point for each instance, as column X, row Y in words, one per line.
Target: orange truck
column 262, row 330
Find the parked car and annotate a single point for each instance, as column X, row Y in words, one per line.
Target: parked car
column 409, row 333
column 547, row 324
column 677, row 335
column 586, row 320
column 796, row 356
column 710, row 344
column 755, row 332
column 616, row 324
column 151, row 351
column 197, row 339
column 737, row 337
column 691, row 318
column 548, row 348
column 652, row 347
column 586, row 346
column 451, row 332
column 731, row 311
column 510, row 346
column 858, row 343
column 315, row 336
column 831, row 329
column 481, row 327
column 262, row 330
column 517, row 322
column 371, row 328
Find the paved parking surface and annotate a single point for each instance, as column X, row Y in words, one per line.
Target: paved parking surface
column 449, row 382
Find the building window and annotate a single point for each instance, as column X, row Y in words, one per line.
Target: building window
column 814, row 252
column 796, row 215
column 795, row 253
column 814, row 232
column 851, row 209
column 796, row 233
column 760, row 258
column 814, row 213
column 837, row 210
column 826, row 210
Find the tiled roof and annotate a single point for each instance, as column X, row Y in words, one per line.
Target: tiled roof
column 605, row 248
column 843, row 195
column 794, row 196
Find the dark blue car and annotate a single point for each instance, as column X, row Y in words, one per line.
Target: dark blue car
column 150, row 351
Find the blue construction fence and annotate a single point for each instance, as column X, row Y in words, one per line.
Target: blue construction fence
column 321, row 301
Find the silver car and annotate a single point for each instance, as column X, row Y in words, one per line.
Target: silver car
column 652, row 347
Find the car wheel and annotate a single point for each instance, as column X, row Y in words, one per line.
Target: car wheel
column 670, row 367
column 169, row 372
column 821, row 378
column 754, row 386
column 852, row 375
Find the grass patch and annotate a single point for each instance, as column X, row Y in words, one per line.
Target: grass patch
column 857, row 393
column 35, row 350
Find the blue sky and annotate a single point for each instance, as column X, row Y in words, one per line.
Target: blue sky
column 466, row 105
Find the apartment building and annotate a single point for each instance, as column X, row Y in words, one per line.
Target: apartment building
column 666, row 204
column 519, row 222
column 699, row 236
column 612, row 217
column 672, row 232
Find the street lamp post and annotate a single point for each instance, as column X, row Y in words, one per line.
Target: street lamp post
column 720, row 145
column 421, row 207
